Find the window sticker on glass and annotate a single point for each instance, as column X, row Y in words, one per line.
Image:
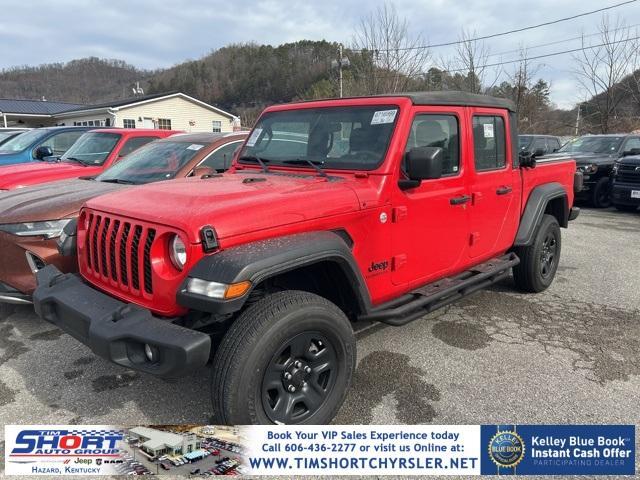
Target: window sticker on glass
column 488, row 130
column 383, row 116
column 194, row 146
column 254, row 137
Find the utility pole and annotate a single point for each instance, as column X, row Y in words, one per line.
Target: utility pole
column 340, row 63
column 578, row 119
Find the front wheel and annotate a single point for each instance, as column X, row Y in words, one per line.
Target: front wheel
column 289, row 358
column 539, row 261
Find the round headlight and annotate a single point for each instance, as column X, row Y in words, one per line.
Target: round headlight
column 178, row 252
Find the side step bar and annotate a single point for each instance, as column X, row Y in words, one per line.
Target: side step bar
column 411, row 306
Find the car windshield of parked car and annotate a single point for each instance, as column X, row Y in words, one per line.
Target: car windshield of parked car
column 592, row 144
column 160, row 160
column 353, row 138
column 524, row 142
column 22, row 142
column 92, row 148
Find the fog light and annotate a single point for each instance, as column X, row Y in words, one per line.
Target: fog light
column 150, row 352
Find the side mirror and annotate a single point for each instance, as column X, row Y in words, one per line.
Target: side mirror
column 203, row 171
column 538, row 152
column 527, row 160
column 42, row 152
column 422, row 163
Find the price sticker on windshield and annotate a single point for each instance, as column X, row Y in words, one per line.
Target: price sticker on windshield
column 383, row 116
column 194, row 146
column 254, row 137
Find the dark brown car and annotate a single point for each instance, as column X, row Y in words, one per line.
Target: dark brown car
column 31, row 219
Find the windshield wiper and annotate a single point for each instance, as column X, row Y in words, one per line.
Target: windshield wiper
column 302, row 161
column 74, row 159
column 257, row 159
column 119, row 180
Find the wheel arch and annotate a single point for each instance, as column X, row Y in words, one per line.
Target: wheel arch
column 318, row 262
column 551, row 199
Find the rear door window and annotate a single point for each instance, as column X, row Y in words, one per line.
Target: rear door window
column 489, row 145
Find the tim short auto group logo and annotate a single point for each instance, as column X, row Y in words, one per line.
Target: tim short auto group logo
column 43, row 449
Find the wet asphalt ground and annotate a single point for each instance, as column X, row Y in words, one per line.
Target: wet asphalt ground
column 568, row 355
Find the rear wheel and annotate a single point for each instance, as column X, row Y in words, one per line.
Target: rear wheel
column 601, row 194
column 539, row 261
column 289, row 358
column 626, row 208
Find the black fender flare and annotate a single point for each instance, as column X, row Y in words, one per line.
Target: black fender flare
column 535, row 208
column 257, row 261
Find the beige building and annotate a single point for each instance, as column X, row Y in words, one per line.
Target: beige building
column 169, row 111
column 158, row 442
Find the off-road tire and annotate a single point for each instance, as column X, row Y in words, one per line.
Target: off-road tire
column 625, row 208
column 601, row 194
column 250, row 347
column 530, row 275
column 6, row 309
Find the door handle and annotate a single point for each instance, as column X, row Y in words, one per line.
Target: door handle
column 460, row 200
column 504, row 190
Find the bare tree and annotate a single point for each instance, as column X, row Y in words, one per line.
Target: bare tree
column 468, row 67
column 601, row 66
column 387, row 56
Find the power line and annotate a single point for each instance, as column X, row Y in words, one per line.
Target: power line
column 529, row 47
column 508, row 32
column 537, row 57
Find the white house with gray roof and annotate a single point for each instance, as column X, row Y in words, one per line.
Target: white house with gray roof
column 168, row 111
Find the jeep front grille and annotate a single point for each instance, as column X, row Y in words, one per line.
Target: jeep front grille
column 118, row 252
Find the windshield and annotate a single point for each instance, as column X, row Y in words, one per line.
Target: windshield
column 154, row 162
column 592, row 144
column 524, row 141
column 354, row 138
column 92, row 148
column 22, row 142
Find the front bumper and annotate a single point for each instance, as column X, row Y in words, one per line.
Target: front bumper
column 118, row 331
column 621, row 194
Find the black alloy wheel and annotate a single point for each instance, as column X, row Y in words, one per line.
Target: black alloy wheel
column 299, row 378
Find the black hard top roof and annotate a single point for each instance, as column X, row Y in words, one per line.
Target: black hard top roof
column 456, row 98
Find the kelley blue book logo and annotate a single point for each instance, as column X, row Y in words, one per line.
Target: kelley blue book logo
column 558, row 449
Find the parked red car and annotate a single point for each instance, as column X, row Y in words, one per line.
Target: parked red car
column 93, row 152
column 32, row 219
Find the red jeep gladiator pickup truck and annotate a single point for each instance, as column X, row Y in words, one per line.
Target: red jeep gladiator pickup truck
column 379, row 208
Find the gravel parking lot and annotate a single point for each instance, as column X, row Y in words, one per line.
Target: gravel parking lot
column 568, row 355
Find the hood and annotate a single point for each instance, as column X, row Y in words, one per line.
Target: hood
column 233, row 203
column 51, row 201
column 633, row 160
column 17, row 176
column 584, row 158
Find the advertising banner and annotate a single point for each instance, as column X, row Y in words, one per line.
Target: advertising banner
column 205, row 450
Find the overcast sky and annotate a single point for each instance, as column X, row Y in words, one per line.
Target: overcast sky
column 155, row 33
